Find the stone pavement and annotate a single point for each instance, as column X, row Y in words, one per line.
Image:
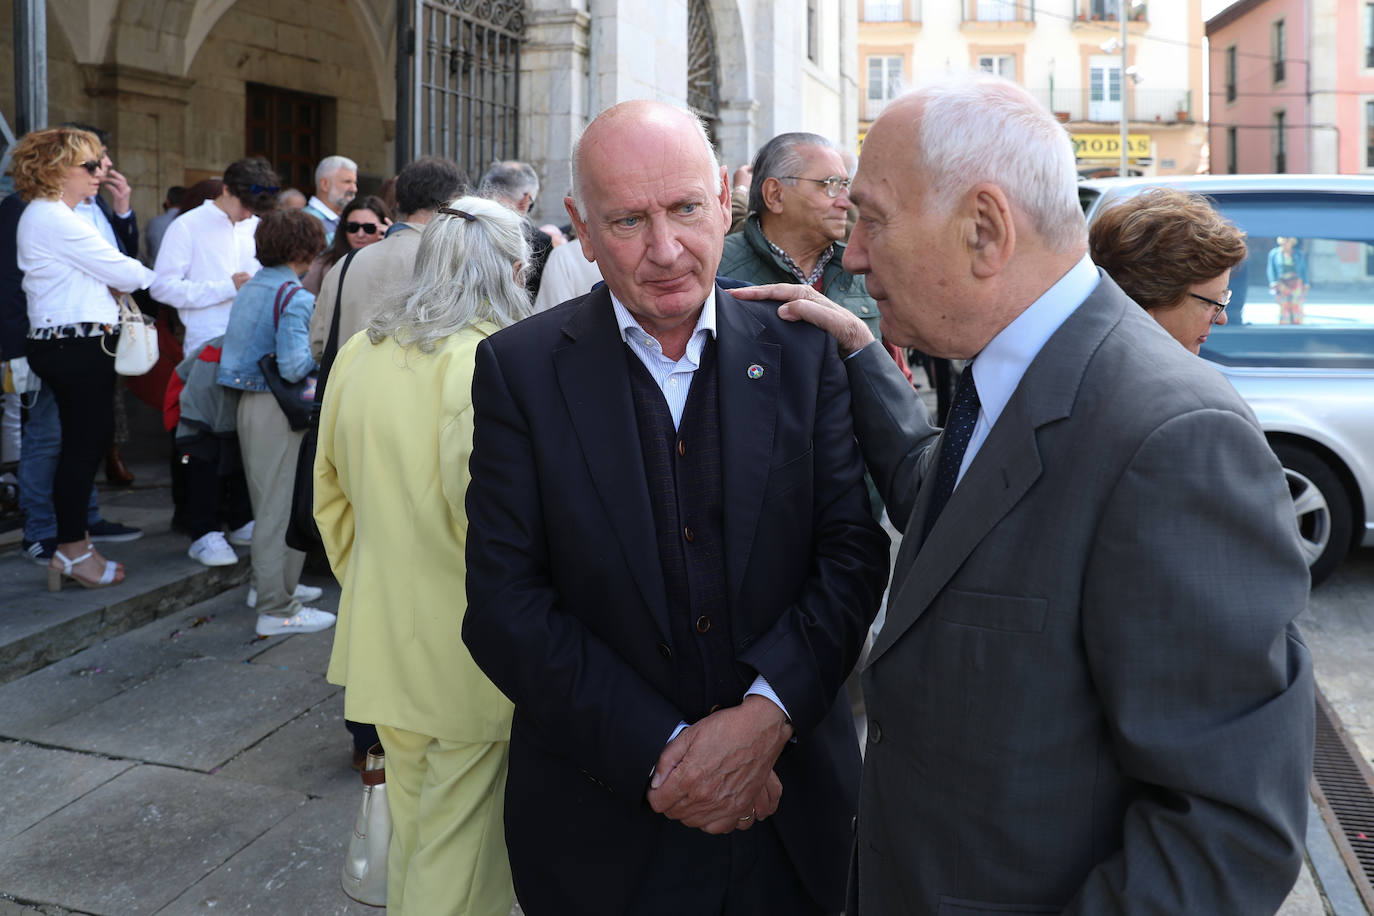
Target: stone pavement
column 158, row 757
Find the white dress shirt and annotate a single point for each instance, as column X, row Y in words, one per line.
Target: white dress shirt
column 68, row 267
column 567, row 275
column 320, row 210
column 89, row 211
column 1001, row 364
column 674, row 379
column 200, row 253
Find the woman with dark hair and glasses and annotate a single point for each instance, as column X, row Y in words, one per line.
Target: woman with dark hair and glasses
column 363, row 222
column 1172, row 253
column 69, row 273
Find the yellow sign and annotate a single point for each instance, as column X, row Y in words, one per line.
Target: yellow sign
column 1108, row 146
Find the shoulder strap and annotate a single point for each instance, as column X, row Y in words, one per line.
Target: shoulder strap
column 331, row 345
column 280, row 304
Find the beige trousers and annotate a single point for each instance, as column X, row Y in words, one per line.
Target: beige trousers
column 269, row 449
column 448, row 839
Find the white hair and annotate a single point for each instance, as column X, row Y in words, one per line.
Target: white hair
column 331, row 164
column 977, row 128
column 463, row 275
column 697, row 122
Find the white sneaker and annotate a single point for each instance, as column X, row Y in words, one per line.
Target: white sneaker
column 212, row 550
column 242, row 536
column 303, row 593
column 306, row 620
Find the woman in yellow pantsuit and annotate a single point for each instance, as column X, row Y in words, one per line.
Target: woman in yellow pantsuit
column 390, row 476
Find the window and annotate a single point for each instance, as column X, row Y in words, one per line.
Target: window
column 1369, row 34
column 883, row 11
column 994, row 10
column 1231, row 73
column 998, row 64
column 1104, row 9
column 813, row 49
column 1280, row 143
column 1369, row 135
column 884, row 84
column 1279, row 46
column 1104, row 88
column 1232, row 151
column 284, row 128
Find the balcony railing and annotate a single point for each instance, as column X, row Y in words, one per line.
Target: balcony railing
column 1150, row 105
column 873, row 108
column 995, row 11
column 1110, row 10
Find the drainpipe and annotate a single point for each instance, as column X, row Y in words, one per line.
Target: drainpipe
column 30, row 65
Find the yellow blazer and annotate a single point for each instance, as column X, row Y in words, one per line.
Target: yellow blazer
column 391, row 472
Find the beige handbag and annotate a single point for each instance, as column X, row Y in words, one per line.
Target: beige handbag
column 136, row 352
column 364, row 870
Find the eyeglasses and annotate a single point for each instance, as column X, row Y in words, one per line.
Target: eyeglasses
column 91, row 166
column 369, row 228
column 263, row 189
column 833, row 185
column 1219, row 305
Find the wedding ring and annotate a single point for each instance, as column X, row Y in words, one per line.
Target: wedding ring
column 750, row 817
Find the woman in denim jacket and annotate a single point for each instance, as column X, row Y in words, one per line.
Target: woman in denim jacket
column 288, row 241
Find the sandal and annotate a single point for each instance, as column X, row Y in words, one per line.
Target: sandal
column 66, row 571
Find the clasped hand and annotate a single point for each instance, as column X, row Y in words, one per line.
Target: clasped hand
column 717, row 775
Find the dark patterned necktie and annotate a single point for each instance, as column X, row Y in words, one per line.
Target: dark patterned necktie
column 963, row 414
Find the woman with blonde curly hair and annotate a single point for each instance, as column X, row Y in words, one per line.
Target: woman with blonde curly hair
column 390, row 478
column 1172, row 253
column 70, row 272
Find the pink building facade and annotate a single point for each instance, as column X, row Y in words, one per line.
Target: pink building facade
column 1292, row 86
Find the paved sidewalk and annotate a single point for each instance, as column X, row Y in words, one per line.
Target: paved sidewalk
column 158, row 757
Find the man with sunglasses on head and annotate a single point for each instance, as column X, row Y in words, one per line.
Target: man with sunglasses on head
column 206, row 255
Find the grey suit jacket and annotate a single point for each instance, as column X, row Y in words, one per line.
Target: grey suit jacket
column 378, row 273
column 1089, row 696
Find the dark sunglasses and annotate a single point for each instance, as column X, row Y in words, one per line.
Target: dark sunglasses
column 91, row 166
column 369, row 228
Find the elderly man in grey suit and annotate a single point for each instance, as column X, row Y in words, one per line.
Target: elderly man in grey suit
column 1089, row 696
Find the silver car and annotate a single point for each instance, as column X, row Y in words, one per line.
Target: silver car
column 1306, row 365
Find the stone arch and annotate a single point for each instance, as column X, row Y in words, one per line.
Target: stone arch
column 87, row 26
column 377, row 32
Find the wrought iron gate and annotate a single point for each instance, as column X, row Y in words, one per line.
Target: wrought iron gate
column 464, row 81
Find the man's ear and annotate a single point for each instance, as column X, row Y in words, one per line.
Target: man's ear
column 991, row 229
column 772, row 195
column 582, row 234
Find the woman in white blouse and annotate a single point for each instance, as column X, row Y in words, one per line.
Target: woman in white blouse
column 70, row 275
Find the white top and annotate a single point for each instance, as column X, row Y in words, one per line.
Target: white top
column 88, row 211
column 199, row 255
column 567, row 275
column 69, row 269
column 1002, row 363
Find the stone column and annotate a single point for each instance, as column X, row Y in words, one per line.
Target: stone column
column 145, row 112
column 553, row 98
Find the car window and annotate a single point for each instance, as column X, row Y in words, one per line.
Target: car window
column 1304, row 296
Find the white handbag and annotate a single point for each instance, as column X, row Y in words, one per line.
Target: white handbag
column 364, row 869
column 136, row 352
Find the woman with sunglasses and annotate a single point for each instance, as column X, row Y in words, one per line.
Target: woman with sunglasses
column 363, row 222
column 70, row 273
column 1172, row 253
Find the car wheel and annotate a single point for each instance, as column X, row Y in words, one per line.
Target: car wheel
column 1322, row 507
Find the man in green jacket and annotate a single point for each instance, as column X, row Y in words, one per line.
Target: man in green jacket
column 798, row 211
column 798, row 204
